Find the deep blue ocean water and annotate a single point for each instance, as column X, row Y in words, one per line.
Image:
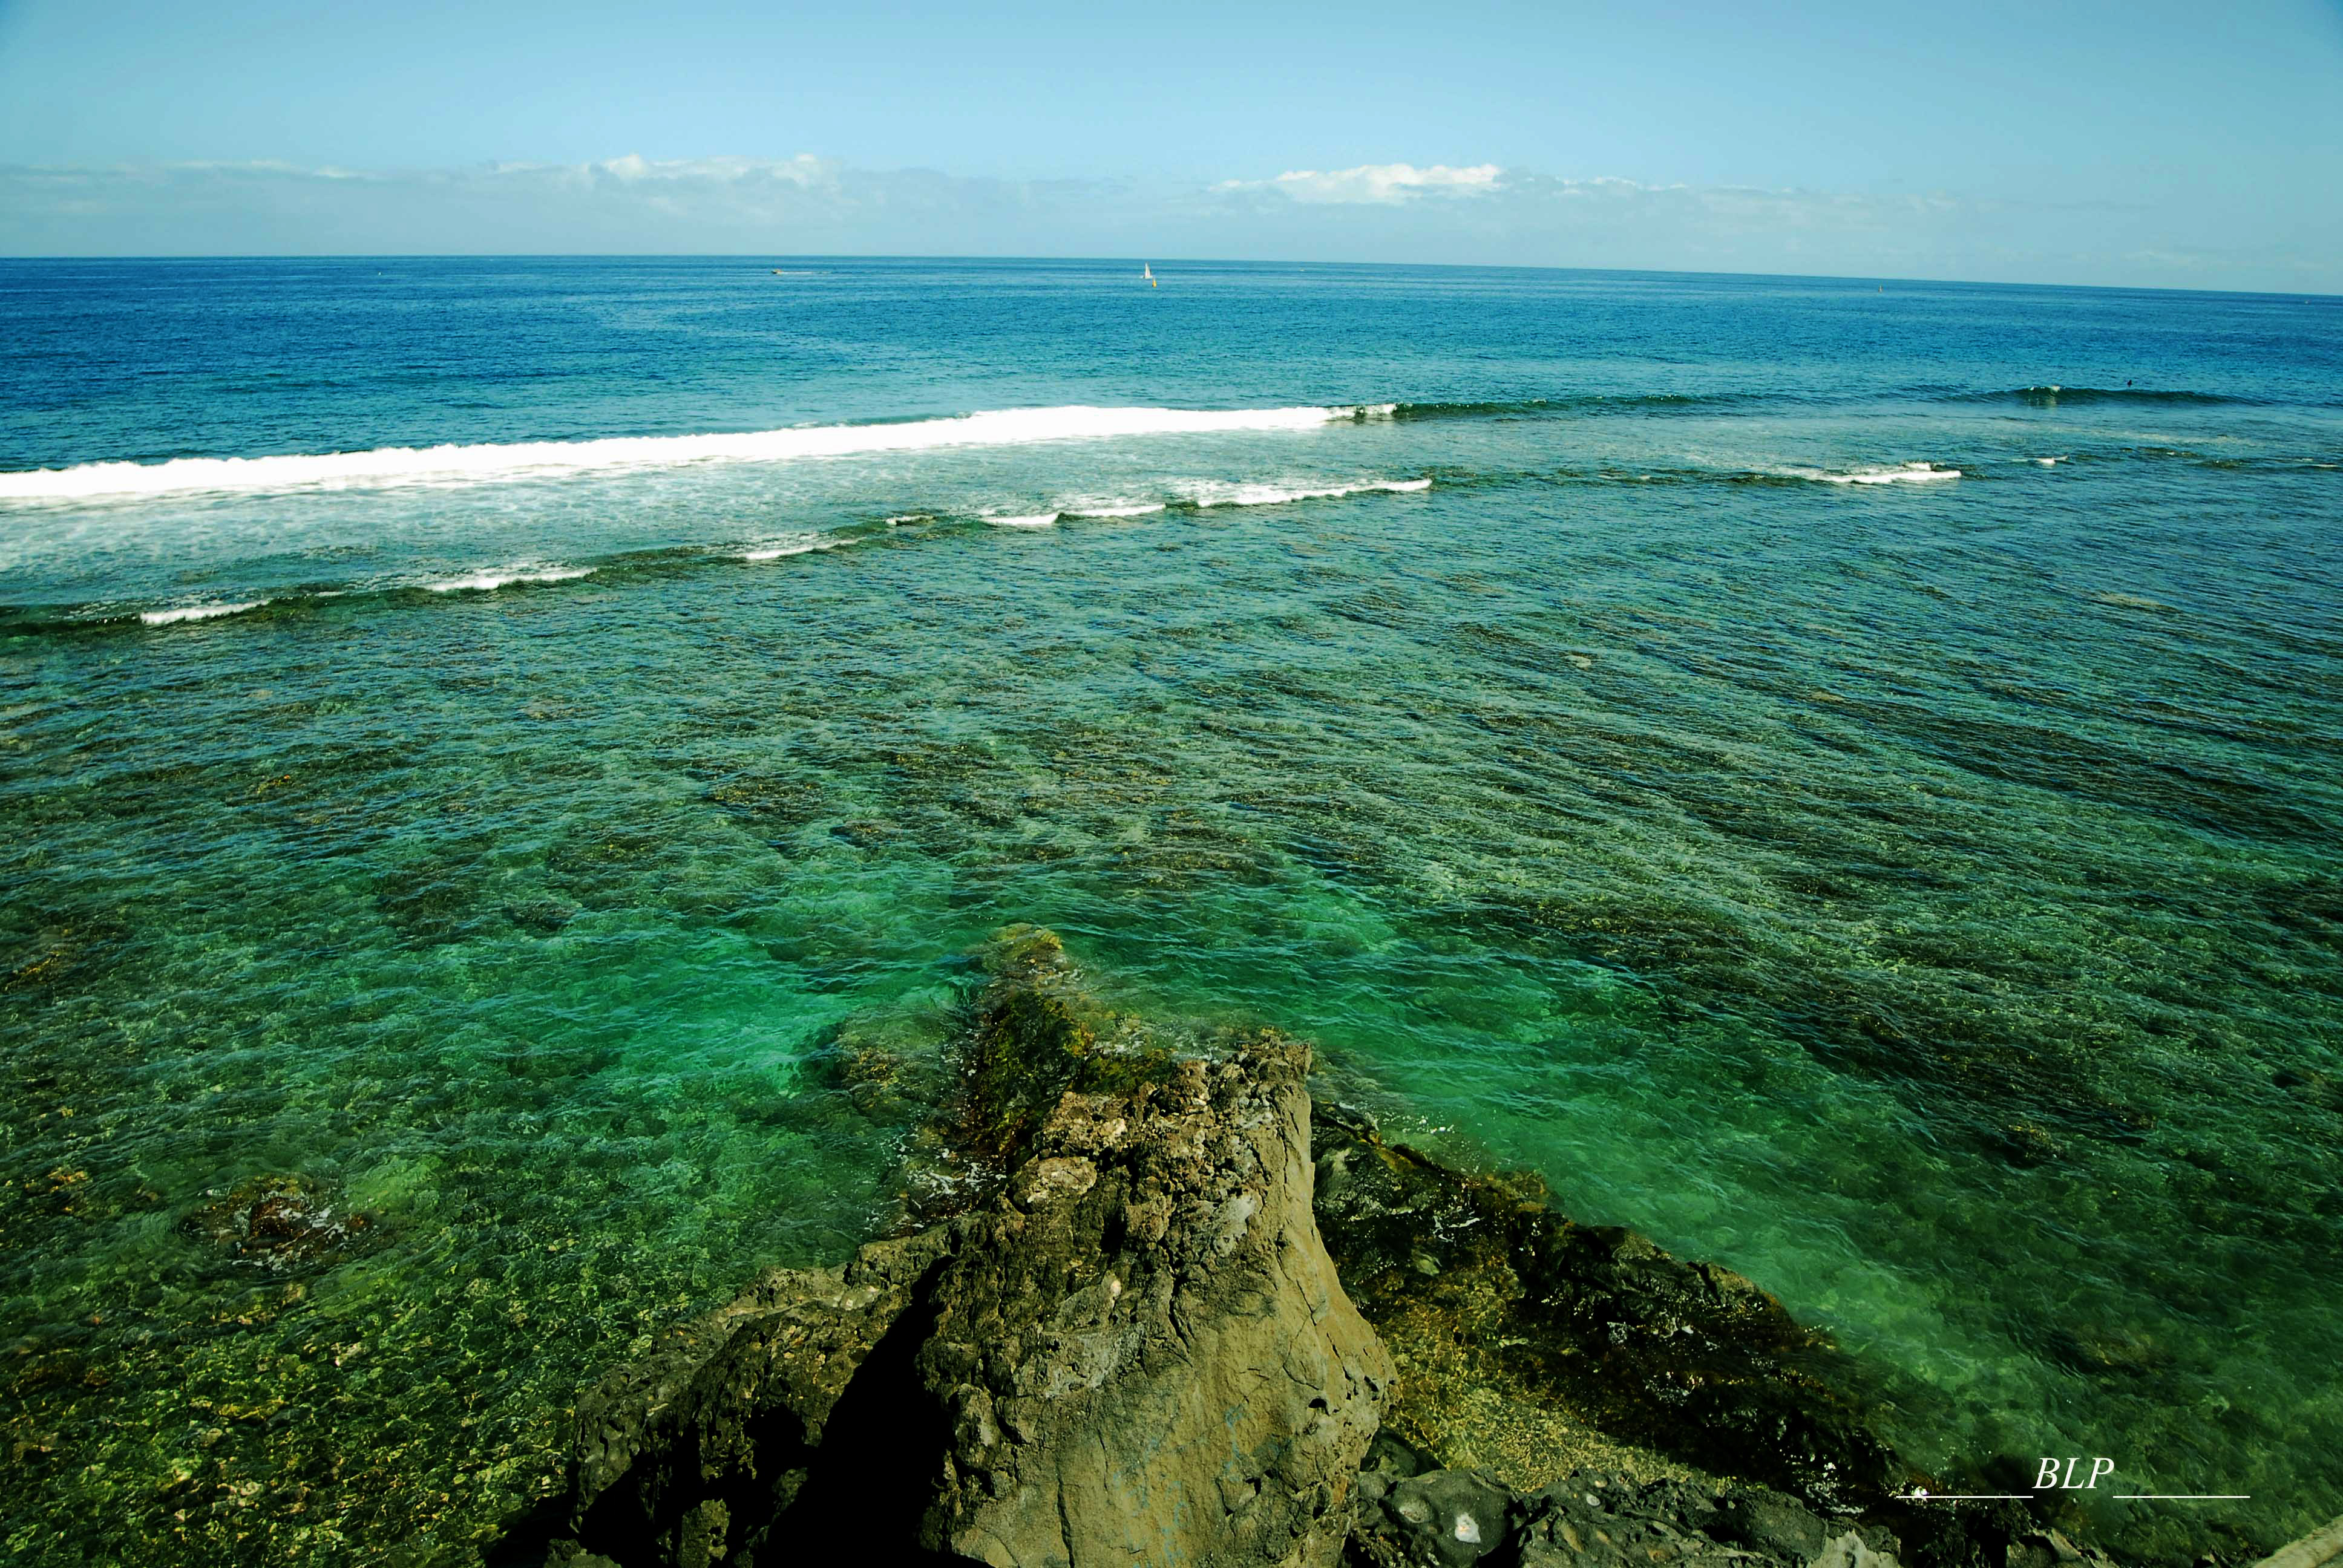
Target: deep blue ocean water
column 1841, row 776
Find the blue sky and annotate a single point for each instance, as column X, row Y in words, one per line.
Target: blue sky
column 2078, row 142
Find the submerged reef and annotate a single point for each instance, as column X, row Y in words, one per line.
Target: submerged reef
column 1143, row 1303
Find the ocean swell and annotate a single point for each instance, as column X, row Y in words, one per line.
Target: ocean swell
column 1578, row 403
column 2050, row 396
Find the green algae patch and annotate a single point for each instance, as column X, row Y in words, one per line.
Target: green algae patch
column 1032, row 1036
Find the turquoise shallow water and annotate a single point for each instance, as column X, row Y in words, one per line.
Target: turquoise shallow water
column 1915, row 889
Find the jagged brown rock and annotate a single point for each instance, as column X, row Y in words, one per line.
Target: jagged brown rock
column 1135, row 1349
column 1145, row 1351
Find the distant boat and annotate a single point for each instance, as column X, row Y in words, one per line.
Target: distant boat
column 1147, row 272
column 779, row 273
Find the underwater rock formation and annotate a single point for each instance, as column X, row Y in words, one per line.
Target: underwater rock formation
column 276, row 1223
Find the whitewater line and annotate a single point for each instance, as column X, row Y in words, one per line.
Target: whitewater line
column 393, row 466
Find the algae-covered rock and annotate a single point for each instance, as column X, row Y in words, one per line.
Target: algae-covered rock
column 277, row 1223
column 1485, row 1286
column 1032, row 1036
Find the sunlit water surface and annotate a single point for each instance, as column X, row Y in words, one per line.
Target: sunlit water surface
column 1916, row 891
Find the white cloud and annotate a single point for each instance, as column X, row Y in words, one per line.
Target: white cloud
column 805, row 170
column 1438, row 213
column 1381, row 183
column 630, row 203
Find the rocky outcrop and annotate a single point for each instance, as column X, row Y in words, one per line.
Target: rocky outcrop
column 1131, row 1348
column 1108, row 1329
column 1145, row 1353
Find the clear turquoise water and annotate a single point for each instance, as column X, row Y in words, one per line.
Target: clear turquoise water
column 1919, row 894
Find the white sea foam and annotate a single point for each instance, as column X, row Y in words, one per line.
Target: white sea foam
column 1038, row 521
column 2049, row 462
column 1216, row 493
column 488, row 582
column 1112, row 508
column 1910, row 473
column 803, row 545
column 195, row 612
column 393, row 466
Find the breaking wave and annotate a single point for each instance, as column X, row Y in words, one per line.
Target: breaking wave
column 1220, row 493
column 1907, row 474
column 804, row 544
column 1201, row 493
column 621, row 569
column 452, row 464
column 488, row 582
column 195, row 612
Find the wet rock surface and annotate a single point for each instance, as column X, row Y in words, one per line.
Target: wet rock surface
column 1597, row 1519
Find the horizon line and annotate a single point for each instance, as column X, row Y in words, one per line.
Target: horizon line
column 2307, row 297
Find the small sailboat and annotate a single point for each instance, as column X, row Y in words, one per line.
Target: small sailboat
column 1147, row 272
